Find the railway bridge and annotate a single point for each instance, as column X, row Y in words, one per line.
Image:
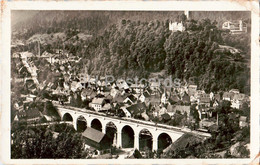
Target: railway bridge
column 125, row 132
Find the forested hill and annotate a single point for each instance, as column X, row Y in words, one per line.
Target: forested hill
column 138, row 48
column 94, row 22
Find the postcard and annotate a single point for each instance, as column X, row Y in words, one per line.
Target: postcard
column 130, row 82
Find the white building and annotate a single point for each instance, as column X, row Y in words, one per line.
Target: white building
column 235, row 27
column 97, row 104
column 175, row 26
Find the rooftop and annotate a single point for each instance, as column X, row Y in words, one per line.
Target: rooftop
column 97, row 100
column 93, row 134
column 242, row 118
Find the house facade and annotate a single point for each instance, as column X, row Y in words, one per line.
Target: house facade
column 97, row 104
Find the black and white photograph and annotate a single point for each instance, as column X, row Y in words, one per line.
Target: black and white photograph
column 131, row 84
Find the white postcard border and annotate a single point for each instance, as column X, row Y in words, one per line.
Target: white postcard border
column 5, row 43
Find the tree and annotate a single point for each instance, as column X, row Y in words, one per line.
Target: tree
column 182, row 18
column 194, row 113
column 76, row 100
column 51, row 110
column 40, row 143
column 137, row 154
column 243, row 151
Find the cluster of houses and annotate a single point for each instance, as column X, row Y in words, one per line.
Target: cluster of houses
column 25, row 64
column 27, row 113
column 146, row 102
column 27, row 74
column 59, row 56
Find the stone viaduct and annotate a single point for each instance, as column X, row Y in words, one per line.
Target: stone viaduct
column 136, row 126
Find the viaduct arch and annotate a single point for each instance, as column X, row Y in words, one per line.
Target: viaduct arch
column 145, row 139
column 67, row 117
column 81, row 123
column 111, row 131
column 96, row 124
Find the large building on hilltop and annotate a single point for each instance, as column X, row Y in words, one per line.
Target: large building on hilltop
column 178, row 26
column 235, row 27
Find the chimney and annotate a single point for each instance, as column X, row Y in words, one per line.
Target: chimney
column 240, row 25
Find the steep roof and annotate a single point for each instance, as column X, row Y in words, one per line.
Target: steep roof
column 93, row 134
column 166, row 116
column 132, row 98
column 133, row 109
column 136, row 108
column 107, row 106
column 119, row 98
column 109, row 97
column 141, row 105
column 86, row 92
column 97, row 100
column 146, row 94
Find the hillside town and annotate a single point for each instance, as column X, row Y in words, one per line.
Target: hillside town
column 184, row 106
column 53, row 89
column 132, row 101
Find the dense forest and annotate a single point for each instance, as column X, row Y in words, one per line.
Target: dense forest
column 133, row 47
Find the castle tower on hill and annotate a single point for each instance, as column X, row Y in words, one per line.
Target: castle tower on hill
column 178, row 26
column 187, row 13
